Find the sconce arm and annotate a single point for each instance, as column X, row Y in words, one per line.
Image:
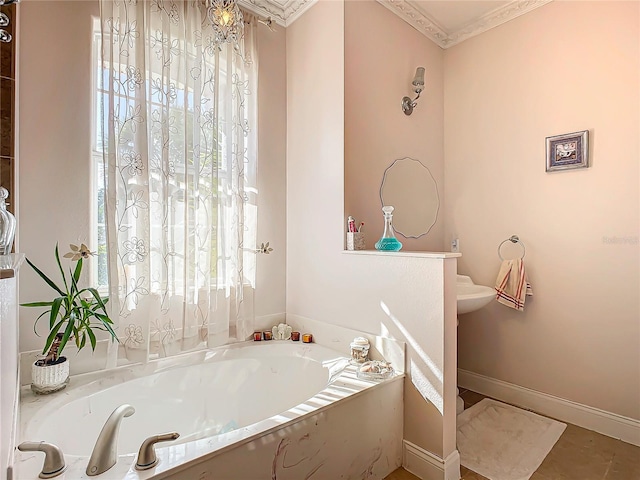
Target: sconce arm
column 408, row 105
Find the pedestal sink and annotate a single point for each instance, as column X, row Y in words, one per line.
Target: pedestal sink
column 471, row 297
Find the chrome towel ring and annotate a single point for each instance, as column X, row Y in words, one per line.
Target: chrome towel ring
column 512, row 239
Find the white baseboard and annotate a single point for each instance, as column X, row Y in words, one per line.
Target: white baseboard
column 427, row 466
column 607, row 423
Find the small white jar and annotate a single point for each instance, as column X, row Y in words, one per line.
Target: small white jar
column 359, row 350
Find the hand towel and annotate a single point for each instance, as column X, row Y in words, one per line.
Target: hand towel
column 512, row 285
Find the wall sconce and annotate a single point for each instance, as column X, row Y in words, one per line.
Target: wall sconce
column 418, row 85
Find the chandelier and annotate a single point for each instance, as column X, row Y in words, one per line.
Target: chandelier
column 226, row 20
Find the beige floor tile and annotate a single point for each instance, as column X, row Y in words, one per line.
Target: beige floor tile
column 541, row 476
column 401, row 474
column 625, row 464
column 567, row 464
column 473, row 476
column 579, row 454
column 570, row 469
column 627, row 451
column 471, row 398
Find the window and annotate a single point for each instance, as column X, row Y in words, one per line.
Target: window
column 100, row 277
column 187, row 154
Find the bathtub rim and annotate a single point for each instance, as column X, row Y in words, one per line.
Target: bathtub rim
column 208, row 446
column 85, row 384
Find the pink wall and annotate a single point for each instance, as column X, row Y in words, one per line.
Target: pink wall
column 564, row 67
column 381, row 55
column 272, row 145
column 55, row 169
column 402, row 297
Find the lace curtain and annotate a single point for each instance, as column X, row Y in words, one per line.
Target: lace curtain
column 179, row 118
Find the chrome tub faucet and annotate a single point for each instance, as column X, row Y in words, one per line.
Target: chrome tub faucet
column 105, row 451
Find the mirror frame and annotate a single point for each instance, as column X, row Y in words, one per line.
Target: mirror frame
column 435, row 184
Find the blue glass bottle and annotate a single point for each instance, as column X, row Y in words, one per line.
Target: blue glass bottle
column 388, row 242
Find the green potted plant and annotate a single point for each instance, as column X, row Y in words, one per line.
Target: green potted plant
column 73, row 314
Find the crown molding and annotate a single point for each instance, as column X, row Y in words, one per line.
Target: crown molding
column 295, row 8
column 408, row 11
column 283, row 13
column 494, row 18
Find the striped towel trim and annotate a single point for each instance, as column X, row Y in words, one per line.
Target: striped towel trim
column 512, row 285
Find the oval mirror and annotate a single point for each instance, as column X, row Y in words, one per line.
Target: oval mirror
column 410, row 188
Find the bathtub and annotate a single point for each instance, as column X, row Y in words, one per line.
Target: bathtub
column 245, row 399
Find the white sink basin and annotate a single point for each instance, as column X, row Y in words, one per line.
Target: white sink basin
column 472, row 297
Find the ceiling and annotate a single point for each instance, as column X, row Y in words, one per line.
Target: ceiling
column 446, row 22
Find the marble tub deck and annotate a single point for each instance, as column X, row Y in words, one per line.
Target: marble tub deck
column 297, row 433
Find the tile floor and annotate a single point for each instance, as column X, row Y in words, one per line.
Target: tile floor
column 579, row 454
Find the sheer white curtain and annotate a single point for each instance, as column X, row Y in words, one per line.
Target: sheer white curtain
column 179, row 133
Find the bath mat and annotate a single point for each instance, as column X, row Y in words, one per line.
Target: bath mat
column 502, row 442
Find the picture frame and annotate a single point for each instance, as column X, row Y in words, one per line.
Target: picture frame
column 568, row 151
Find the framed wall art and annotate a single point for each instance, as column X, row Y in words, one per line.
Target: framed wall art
column 568, row 151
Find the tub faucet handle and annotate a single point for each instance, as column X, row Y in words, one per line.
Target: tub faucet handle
column 53, row 461
column 147, row 454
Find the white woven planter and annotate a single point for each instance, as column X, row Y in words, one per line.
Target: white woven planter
column 49, row 378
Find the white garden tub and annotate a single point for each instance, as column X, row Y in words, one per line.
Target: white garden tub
column 216, row 400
